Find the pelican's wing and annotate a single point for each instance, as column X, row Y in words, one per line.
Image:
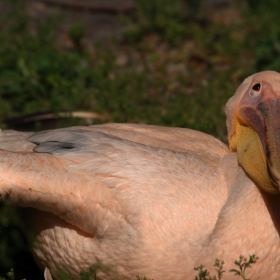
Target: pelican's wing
column 174, row 139
column 15, row 141
column 99, row 182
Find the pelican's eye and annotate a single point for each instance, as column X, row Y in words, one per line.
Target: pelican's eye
column 255, row 90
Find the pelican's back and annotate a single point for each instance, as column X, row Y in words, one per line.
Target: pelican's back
column 121, row 191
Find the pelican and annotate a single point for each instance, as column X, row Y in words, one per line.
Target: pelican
column 149, row 200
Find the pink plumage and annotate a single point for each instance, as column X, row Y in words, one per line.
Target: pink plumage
column 153, row 201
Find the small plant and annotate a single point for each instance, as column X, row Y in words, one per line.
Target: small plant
column 141, row 278
column 203, row 274
column 243, row 264
column 90, row 274
column 219, row 268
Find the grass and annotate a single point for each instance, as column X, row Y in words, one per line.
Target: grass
column 151, row 77
column 175, row 66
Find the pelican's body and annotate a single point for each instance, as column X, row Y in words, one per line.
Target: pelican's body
column 151, row 201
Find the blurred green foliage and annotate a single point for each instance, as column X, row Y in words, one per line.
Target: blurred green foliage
column 177, row 65
column 36, row 76
column 263, row 33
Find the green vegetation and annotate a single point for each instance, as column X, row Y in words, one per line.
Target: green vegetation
column 176, row 66
column 242, row 264
column 91, row 273
column 203, row 274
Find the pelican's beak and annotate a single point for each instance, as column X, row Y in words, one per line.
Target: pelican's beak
column 256, row 137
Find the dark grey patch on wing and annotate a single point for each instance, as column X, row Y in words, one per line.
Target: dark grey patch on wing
column 71, row 140
column 51, row 147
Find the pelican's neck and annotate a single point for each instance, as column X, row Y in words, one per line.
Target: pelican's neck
column 247, row 224
column 272, row 202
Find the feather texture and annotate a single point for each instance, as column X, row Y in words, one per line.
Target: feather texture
column 153, row 201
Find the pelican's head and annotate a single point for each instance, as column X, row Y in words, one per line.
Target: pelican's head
column 253, row 122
